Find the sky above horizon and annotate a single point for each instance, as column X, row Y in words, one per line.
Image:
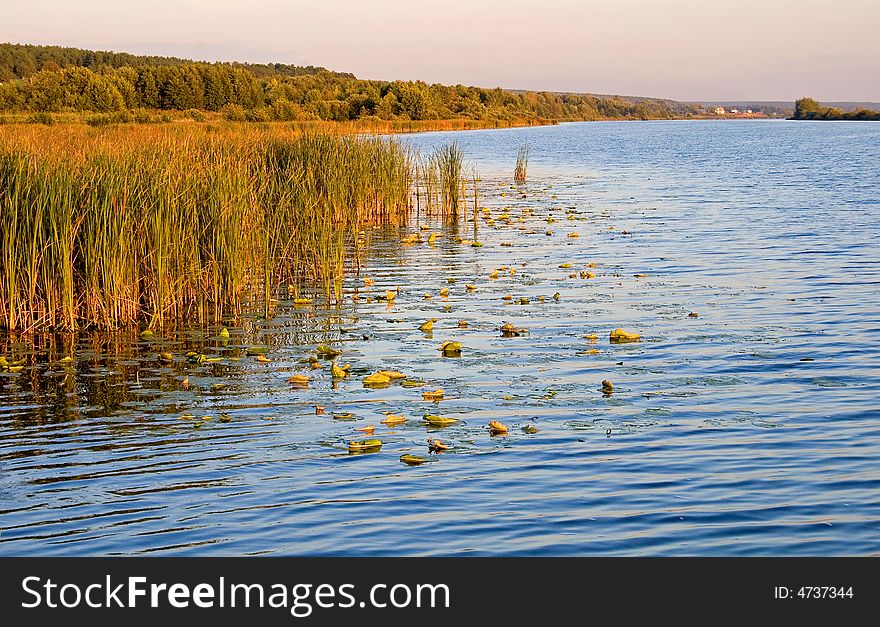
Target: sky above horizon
column 683, row 50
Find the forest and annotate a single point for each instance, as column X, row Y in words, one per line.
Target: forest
column 47, row 79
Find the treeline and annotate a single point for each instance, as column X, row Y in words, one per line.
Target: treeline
column 24, row 60
column 809, row 109
column 240, row 93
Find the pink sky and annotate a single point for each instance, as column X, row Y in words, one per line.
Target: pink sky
column 706, row 50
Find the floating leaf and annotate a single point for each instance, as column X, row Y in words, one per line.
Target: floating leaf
column 257, row 350
column 412, row 460
column 428, row 325
column 607, row 386
column 436, row 446
column 530, row 429
column 436, row 395
column 343, row 415
column 364, row 446
column 339, row 372
column 302, row 301
column 498, row 428
column 224, row 332
column 509, row 330
column 439, row 421
column 368, row 430
column 393, row 419
column 620, row 336
column 327, row 351
column 392, row 374
column 300, row 380
column 412, row 383
column 376, row 379
column 450, row 349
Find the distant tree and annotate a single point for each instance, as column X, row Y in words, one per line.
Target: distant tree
column 805, row 108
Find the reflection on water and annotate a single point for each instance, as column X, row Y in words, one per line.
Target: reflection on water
column 752, row 428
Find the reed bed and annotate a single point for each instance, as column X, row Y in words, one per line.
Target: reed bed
column 118, row 226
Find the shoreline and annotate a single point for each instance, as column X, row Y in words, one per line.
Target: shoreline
column 354, row 127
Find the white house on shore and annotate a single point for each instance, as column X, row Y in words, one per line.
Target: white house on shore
column 719, row 111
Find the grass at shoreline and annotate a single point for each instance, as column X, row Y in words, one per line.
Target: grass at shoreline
column 177, row 118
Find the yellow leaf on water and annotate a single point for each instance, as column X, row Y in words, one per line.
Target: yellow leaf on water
column 435, row 395
column 376, row 379
column 437, row 446
column 428, row 325
column 327, row 351
column 392, row 374
column 412, row 460
column 440, row 421
column 497, row 428
column 392, row 419
column 620, row 336
column 364, row 446
column 450, row 349
column 337, row 372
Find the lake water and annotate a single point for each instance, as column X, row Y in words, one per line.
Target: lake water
column 752, row 429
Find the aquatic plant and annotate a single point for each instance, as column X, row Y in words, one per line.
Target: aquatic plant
column 522, row 164
column 122, row 225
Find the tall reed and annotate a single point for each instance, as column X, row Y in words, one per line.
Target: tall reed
column 116, row 226
column 522, row 164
